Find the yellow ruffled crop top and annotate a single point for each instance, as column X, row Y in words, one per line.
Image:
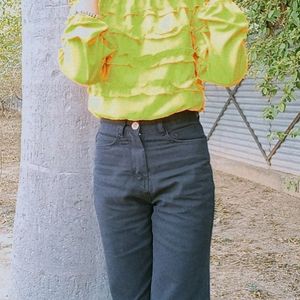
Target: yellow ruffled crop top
column 142, row 60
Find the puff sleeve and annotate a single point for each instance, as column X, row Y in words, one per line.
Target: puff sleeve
column 220, row 41
column 84, row 48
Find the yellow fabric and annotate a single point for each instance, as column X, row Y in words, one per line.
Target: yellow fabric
column 142, row 60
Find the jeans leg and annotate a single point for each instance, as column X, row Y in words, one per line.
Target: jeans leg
column 182, row 221
column 124, row 217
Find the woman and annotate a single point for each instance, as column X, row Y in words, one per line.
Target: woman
column 144, row 64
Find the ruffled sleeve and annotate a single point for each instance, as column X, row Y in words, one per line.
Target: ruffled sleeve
column 221, row 42
column 84, row 49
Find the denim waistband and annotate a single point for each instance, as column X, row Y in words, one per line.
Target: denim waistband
column 118, row 125
column 186, row 115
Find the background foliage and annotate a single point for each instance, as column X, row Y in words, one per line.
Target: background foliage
column 10, row 51
column 274, row 44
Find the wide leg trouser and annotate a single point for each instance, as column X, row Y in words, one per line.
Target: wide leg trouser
column 154, row 196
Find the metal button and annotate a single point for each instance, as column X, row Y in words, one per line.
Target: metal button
column 135, row 125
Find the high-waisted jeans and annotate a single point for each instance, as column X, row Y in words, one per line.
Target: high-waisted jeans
column 154, row 196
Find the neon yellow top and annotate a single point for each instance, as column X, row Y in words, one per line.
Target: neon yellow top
column 142, row 60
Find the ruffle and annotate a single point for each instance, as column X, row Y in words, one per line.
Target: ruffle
column 155, row 54
column 125, row 45
column 148, row 108
column 146, row 7
column 170, row 77
column 154, row 60
column 151, row 72
column 145, row 34
column 83, row 26
column 101, row 91
column 146, row 25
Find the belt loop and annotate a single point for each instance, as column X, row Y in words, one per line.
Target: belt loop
column 160, row 126
column 121, row 127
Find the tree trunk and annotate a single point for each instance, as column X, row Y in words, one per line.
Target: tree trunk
column 57, row 250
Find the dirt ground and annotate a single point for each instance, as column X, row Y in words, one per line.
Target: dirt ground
column 256, row 237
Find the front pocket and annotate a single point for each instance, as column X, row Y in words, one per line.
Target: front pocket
column 186, row 132
column 104, row 139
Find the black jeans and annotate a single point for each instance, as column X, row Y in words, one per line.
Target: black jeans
column 154, row 196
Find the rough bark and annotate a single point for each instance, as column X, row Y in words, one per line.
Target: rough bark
column 57, row 250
